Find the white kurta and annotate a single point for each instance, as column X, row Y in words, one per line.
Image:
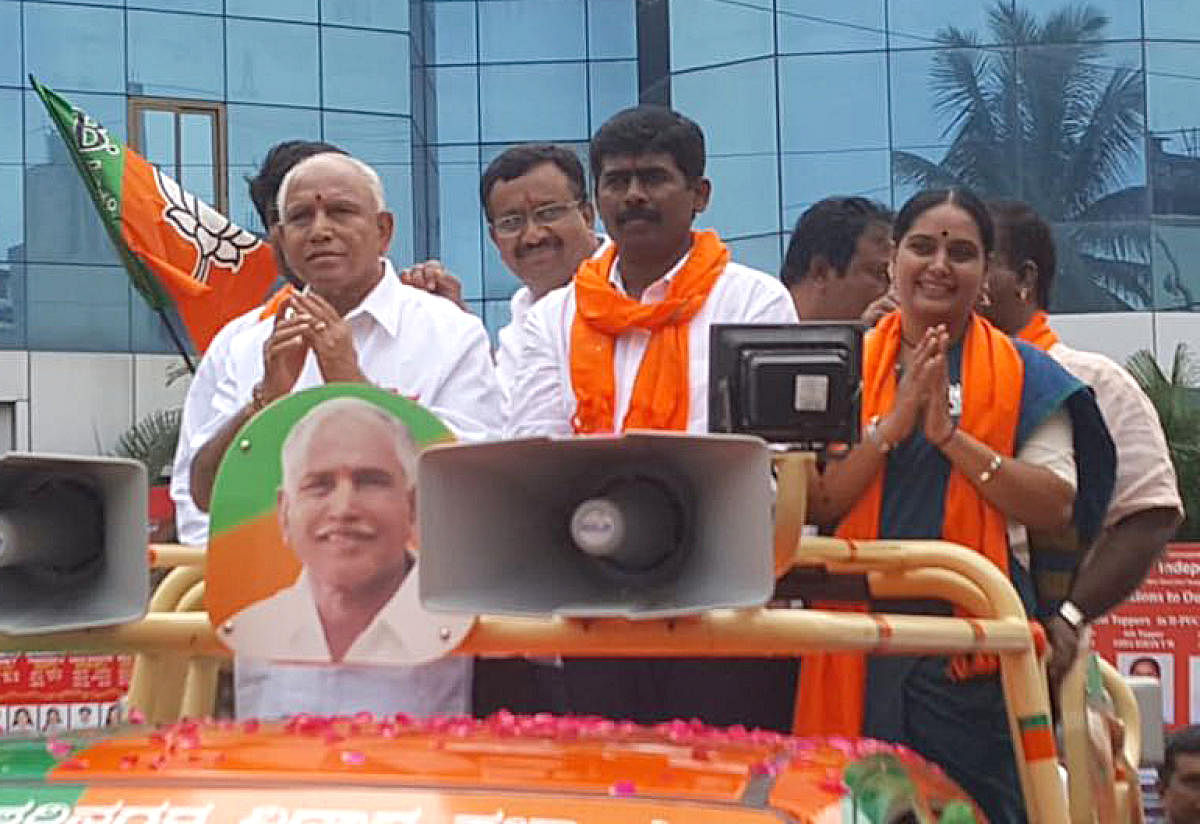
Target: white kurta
column 543, row 399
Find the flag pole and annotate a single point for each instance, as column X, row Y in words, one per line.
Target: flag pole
column 179, row 344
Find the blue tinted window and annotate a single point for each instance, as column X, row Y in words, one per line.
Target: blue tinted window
column 457, row 104
column 157, row 143
column 830, row 25
column 1172, row 85
column 1115, row 77
column 255, row 129
column 760, row 253
column 10, row 55
column 209, row 6
column 523, row 30
column 833, row 102
column 12, row 204
column 12, row 212
column 508, row 94
column 1174, row 146
column 460, row 215
column 73, row 48
column 164, row 58
column 1172, row 19
column 811, row 176
column 454, row 31
column 917, row 119
column 372, row 14
column 1176, row 244
column 62, row 224
column 614, row 87
column 271, row 62
column 1090, row 278
column 197, row 155
column 612, row 29
column 920, row 22
column 241, row 209
column 734, row 105
column 302, row 10
column 365, row 70
column 10, row 138
column 708, row 32
column 147, row 331
column 78, row 308
column 12, row 306
column 745, row 198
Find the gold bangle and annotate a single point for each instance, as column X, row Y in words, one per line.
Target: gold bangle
column 993, row 467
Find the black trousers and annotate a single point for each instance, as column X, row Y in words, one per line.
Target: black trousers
column 753, row 692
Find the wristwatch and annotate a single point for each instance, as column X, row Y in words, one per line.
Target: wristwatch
column 1073, row 615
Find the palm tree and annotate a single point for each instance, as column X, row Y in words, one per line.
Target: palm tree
column 1177, row 400
column 152, row 441
column 1044, row 119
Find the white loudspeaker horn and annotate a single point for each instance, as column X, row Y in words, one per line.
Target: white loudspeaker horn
column 73, row 538
column 643, row 525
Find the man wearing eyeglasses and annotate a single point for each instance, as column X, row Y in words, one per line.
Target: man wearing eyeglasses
column 535, row 199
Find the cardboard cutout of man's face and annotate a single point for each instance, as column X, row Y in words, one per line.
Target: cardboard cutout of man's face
column 348, row 511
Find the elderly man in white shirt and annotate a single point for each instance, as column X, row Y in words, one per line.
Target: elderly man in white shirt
column 191, row 523
column 355, row 322
column 346, row 510
column 626, row 346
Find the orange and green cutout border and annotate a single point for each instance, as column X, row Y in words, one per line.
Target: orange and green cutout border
column 247, row 558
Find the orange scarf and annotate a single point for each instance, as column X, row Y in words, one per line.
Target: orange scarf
column 275, row 303
column 602, row 314
column 831, row 691
column 1038, row 332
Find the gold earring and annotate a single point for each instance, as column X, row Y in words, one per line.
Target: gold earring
column 1023, row 294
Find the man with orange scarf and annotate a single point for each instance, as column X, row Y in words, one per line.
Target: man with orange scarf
column 1145, row 507
column 625, row 346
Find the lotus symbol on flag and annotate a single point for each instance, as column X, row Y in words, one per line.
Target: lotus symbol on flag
column 217, row 239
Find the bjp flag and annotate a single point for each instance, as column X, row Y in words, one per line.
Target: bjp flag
column 177, row 249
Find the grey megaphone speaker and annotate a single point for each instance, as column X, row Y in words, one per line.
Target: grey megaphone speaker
column 72, row 542
column 640, row 525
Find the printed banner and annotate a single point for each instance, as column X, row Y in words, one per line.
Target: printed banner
column 1156, row 633
column 49, row 693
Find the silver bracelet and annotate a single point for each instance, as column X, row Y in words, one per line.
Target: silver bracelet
column 993, row 467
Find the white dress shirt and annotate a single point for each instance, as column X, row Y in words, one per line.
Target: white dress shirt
column 1145, row 476
column 191, row 524
column 510, row 341
column 286, row 629
column 543, row 398
column 422, row 347
column 407, row 340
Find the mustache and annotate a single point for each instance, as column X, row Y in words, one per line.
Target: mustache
column 546, row 243
column 648, row 215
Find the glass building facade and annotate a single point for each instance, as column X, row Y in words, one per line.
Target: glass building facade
column 1086, row 110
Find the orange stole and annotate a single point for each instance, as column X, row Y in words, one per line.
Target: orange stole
column 602, row 314
column 275, row 302
column 831, row 688
column 1038, row 332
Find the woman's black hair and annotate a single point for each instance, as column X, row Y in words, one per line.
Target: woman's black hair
column 965, row 199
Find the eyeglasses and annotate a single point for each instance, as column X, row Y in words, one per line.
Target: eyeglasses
column 513, row 225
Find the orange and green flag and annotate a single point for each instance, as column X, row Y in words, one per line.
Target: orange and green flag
column 179, row 251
